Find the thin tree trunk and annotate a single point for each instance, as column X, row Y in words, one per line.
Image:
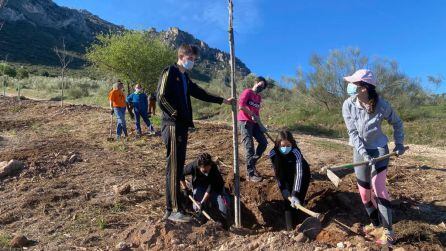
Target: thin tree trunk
column 63, row 87
column 237, row 210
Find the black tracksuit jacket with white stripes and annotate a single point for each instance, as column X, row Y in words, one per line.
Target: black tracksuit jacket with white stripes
column 170, row 96
column 292, row 171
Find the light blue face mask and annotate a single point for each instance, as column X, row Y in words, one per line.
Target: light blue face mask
column 188, row 65
column 285, row 149
column 352, row 89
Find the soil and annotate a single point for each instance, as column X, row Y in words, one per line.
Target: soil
column 61, row 202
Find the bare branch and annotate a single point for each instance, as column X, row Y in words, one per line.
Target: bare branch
column 65, row 61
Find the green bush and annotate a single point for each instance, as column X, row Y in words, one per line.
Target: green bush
column 77, row 92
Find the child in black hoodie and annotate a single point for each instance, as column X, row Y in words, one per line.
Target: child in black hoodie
column 208, row 187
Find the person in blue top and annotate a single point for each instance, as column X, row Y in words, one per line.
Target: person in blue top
column 140, row 107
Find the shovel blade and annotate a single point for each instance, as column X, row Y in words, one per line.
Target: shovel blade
column 311, row 227
column 333, row 178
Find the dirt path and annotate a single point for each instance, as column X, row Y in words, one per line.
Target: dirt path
column 72, row 205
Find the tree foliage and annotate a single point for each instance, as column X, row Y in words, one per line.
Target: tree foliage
column 22, row 73
column 324, row 83
column 131, row 56
column 7, row 70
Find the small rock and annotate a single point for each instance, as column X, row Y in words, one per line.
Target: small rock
column 64, row 158
column 442, row 225
column 122, row 246
column 356, row 227
column 340, row 245
column 88, row 195
column 11, row 168
column 74, row 158
column 121, row 190
column 19, row 241
column 348, row 244
column 301, row 237
column 399, row 249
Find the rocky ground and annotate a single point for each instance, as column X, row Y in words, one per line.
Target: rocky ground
column 78, row 191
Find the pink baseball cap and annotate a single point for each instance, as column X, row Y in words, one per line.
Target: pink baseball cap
column 362, row 75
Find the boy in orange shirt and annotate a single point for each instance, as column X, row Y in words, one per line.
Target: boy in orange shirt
column 118, row 106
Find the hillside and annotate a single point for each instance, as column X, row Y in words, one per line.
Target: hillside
column 65, row 199
column 34, row 27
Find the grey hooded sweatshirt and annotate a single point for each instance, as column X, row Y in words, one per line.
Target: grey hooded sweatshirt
column 364, row 129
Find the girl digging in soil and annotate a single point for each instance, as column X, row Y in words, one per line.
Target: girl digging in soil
column 291, row 170
column 118, row 106
column 363, row 114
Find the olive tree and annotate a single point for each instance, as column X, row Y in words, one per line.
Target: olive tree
column 131, row 56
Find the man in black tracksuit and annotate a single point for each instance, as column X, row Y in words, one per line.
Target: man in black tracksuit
column 209, row 188
column 174, row 91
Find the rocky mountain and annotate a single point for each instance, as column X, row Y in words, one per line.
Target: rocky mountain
column 213, row 62
column 33, row 28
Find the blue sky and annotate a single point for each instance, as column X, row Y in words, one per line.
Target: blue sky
column 274, row 38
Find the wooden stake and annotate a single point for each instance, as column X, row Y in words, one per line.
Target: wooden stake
column 237, row 213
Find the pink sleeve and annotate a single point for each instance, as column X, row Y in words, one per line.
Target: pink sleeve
column 244, row 98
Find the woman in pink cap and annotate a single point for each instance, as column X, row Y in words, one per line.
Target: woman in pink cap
column 363, row 114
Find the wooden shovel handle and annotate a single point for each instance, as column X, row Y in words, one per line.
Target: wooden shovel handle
column 198, row 205
column 307, row 211
column 350, row 165
column 269, row 136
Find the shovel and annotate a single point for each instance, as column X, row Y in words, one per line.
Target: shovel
column 318, row 216
column 110, row 136
column 311, row 226
column 198, row 205
column 336, row 180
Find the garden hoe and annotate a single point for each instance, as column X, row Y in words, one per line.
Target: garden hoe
column 336, row 180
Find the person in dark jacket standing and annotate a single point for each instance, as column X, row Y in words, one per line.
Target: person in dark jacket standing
column 208, row 187
column 174, row 91
column 138, row 99
column 291, row 170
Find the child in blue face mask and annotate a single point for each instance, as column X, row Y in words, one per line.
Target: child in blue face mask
column 291, row 170
column 138, row 99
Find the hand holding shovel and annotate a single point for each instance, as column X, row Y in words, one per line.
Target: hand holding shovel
column 199, row 206
column 336, row 180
